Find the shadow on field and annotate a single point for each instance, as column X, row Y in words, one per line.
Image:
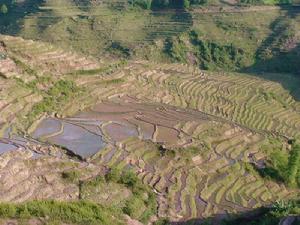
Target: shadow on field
column 255, row 217
column 232, row 219
column 174, row 22
column 278, row 57
column 10, row 22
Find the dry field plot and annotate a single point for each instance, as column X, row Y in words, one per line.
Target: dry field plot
column 186, row 133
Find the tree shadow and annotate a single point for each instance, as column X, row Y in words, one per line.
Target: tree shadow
column 278, row 57
column 226, row 218
column 11, row 23
column 259, row 216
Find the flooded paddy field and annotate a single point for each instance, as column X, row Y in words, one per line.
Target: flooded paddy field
column 110, row 123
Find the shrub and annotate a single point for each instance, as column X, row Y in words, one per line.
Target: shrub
column 4, row 9
column 114, row 175
column 129, row 178
column 283, row 166
column 294, row 166
column 162, row 221
column 7, row 211
column 134, row 207
column 71, row 176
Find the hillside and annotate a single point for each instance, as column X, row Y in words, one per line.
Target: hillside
column 223, row 141
column 112, row 113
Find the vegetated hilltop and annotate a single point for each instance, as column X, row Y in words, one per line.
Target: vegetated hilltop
column 258, row 36
column 150, row 140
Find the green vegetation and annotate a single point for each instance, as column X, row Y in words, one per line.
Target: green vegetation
column 269, row 216
column 168, row 31
column 248, row 44
column 162, row 221
column 140, row 204
column 3, row 9
column 71, row 176
column 283, row 166
column 148, row 4
column 208, row 55
column 55, row 98
column 77, row 212
column 105, row 70
column 266, row 2
column 293, row 169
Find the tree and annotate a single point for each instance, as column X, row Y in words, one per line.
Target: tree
column 149, row 4
column 186, row 4
column 294, row 164
column 4, row 9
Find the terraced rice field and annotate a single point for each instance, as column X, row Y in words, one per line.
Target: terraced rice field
column 47, row 58
column 210, row 180
column 251, row 102
column 32, row 170
column 186, row 133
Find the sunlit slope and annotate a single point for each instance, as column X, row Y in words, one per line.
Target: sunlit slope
column 258, row 104
column 205, row 128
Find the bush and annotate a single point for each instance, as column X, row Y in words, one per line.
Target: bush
column 7, row 211
column 134, row 207
column 294, row 166
column 71, row 176
column 283, row 166
column 162, row 221
column 114, row 175
column 4, row 9
column 129, row 178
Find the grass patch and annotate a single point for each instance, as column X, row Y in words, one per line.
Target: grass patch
column 79, row 212
column 55, row 98
column 137, row 200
